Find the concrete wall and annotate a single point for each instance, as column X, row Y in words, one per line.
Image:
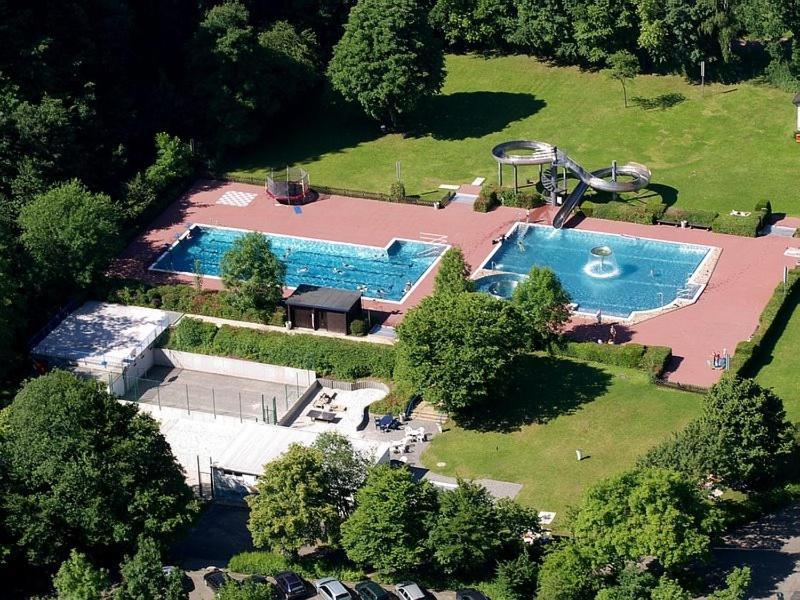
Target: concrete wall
column 234, row 367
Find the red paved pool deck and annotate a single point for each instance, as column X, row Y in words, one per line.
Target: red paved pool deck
column 726, row 313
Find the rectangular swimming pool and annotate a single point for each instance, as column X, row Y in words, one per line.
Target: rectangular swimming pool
column 640, row 274
column 381, row 273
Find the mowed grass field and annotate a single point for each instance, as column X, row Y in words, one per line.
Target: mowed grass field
column 780, row 362
column 723, row 148
column 613, row 415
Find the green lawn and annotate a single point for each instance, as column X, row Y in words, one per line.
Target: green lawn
column 780, row 362
column 614, row 415
column 723, row 149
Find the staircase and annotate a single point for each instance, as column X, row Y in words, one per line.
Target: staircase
column 426, row 412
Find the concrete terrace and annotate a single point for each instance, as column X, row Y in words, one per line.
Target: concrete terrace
column 727, row 312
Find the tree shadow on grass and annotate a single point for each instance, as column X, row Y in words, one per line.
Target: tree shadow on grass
column 661, row 102
column 540, row 388
column 472, row 114
column 766, row 353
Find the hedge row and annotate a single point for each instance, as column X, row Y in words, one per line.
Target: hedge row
column 331, row 357
column 694, row 217
column 337, row 191
column 651, row 359
column 654, row 211
column 748, row 352
column 644, row 214
column 181, row 298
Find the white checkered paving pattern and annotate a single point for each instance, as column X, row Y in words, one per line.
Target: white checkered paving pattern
column 234, row 198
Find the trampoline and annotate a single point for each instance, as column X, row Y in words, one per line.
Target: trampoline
column 289, row 186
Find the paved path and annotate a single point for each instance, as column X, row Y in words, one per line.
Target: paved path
column 771, row 548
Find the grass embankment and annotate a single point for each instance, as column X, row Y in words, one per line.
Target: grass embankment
column 721, row 149
column 612, row 414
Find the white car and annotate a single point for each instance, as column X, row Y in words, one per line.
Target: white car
column 408, row 590
column 331, row 588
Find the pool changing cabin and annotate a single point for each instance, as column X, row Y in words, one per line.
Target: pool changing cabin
column 314, row 307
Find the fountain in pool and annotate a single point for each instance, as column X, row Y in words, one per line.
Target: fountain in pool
column 601, row 263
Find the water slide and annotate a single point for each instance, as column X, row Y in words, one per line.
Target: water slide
column 530, row 152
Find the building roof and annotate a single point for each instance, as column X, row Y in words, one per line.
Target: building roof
column 325, row 298
column 104, row 335
column 796, row 99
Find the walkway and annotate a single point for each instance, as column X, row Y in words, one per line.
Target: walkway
column 771, row 548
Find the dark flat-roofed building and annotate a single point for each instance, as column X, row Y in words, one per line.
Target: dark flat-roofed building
column 331, row 309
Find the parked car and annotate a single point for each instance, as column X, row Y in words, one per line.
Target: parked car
column 369, row 590
column 290, row 585
column 470, row 594
column 186, row 581
column 408, row 590
column 215, row 579
column 331, row 588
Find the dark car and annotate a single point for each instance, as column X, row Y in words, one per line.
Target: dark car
column 290, row 585
column 369, row 590
column 470, row 594
column 215, row 579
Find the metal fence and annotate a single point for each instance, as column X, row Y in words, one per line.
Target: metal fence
column 266, row 406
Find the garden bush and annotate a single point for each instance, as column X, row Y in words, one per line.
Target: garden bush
column 521, row 199
column 397, row 191
column 620, row 211
column 327, row 356
column 651, row 359
column 278, row 317
column 765, row 208
column 358, row 327
column 733, row 225
column 695, row 217
column 268, row 564
column 193, row 333
column 488, row 198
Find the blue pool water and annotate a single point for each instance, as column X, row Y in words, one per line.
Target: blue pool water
column 382, row 273
column 641, row 274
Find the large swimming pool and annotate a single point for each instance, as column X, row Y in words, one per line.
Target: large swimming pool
column 638, row 275
column 382, row 273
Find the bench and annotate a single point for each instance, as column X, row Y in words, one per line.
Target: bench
column 320, row 415
column 689, row 224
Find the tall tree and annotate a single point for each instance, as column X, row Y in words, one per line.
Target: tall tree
column 464, row 537
column 456, row 349
column 649, row 512
column 78, row 579
column 543, row 305
column 293, row 507
column 566, row 574
column 143, row 576
column 87, row 473
column 393, row 515
column 388, row 59
column 253, row 274
column 70, row 233
column 453, row 274
column 345, row 470
column 749, row 438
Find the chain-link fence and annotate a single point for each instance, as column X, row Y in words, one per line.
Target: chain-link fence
column 268, row 404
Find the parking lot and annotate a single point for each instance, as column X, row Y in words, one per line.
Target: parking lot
column 220, row 532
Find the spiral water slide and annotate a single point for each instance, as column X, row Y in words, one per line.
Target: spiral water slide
column 530, row 152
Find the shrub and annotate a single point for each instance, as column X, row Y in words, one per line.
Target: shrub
column 358, row 327
column 397, row 191
column 328, row 356
column 765, row 208
column 278, row 317
column 487, row 199
column 695, row 217
column 517, row 577
column 656, row 208
column 521, row 199
column 619, row 211
column 733, row 225
column 263, row 563
column 313, row 566
column 193, row 333
column 651, row 359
